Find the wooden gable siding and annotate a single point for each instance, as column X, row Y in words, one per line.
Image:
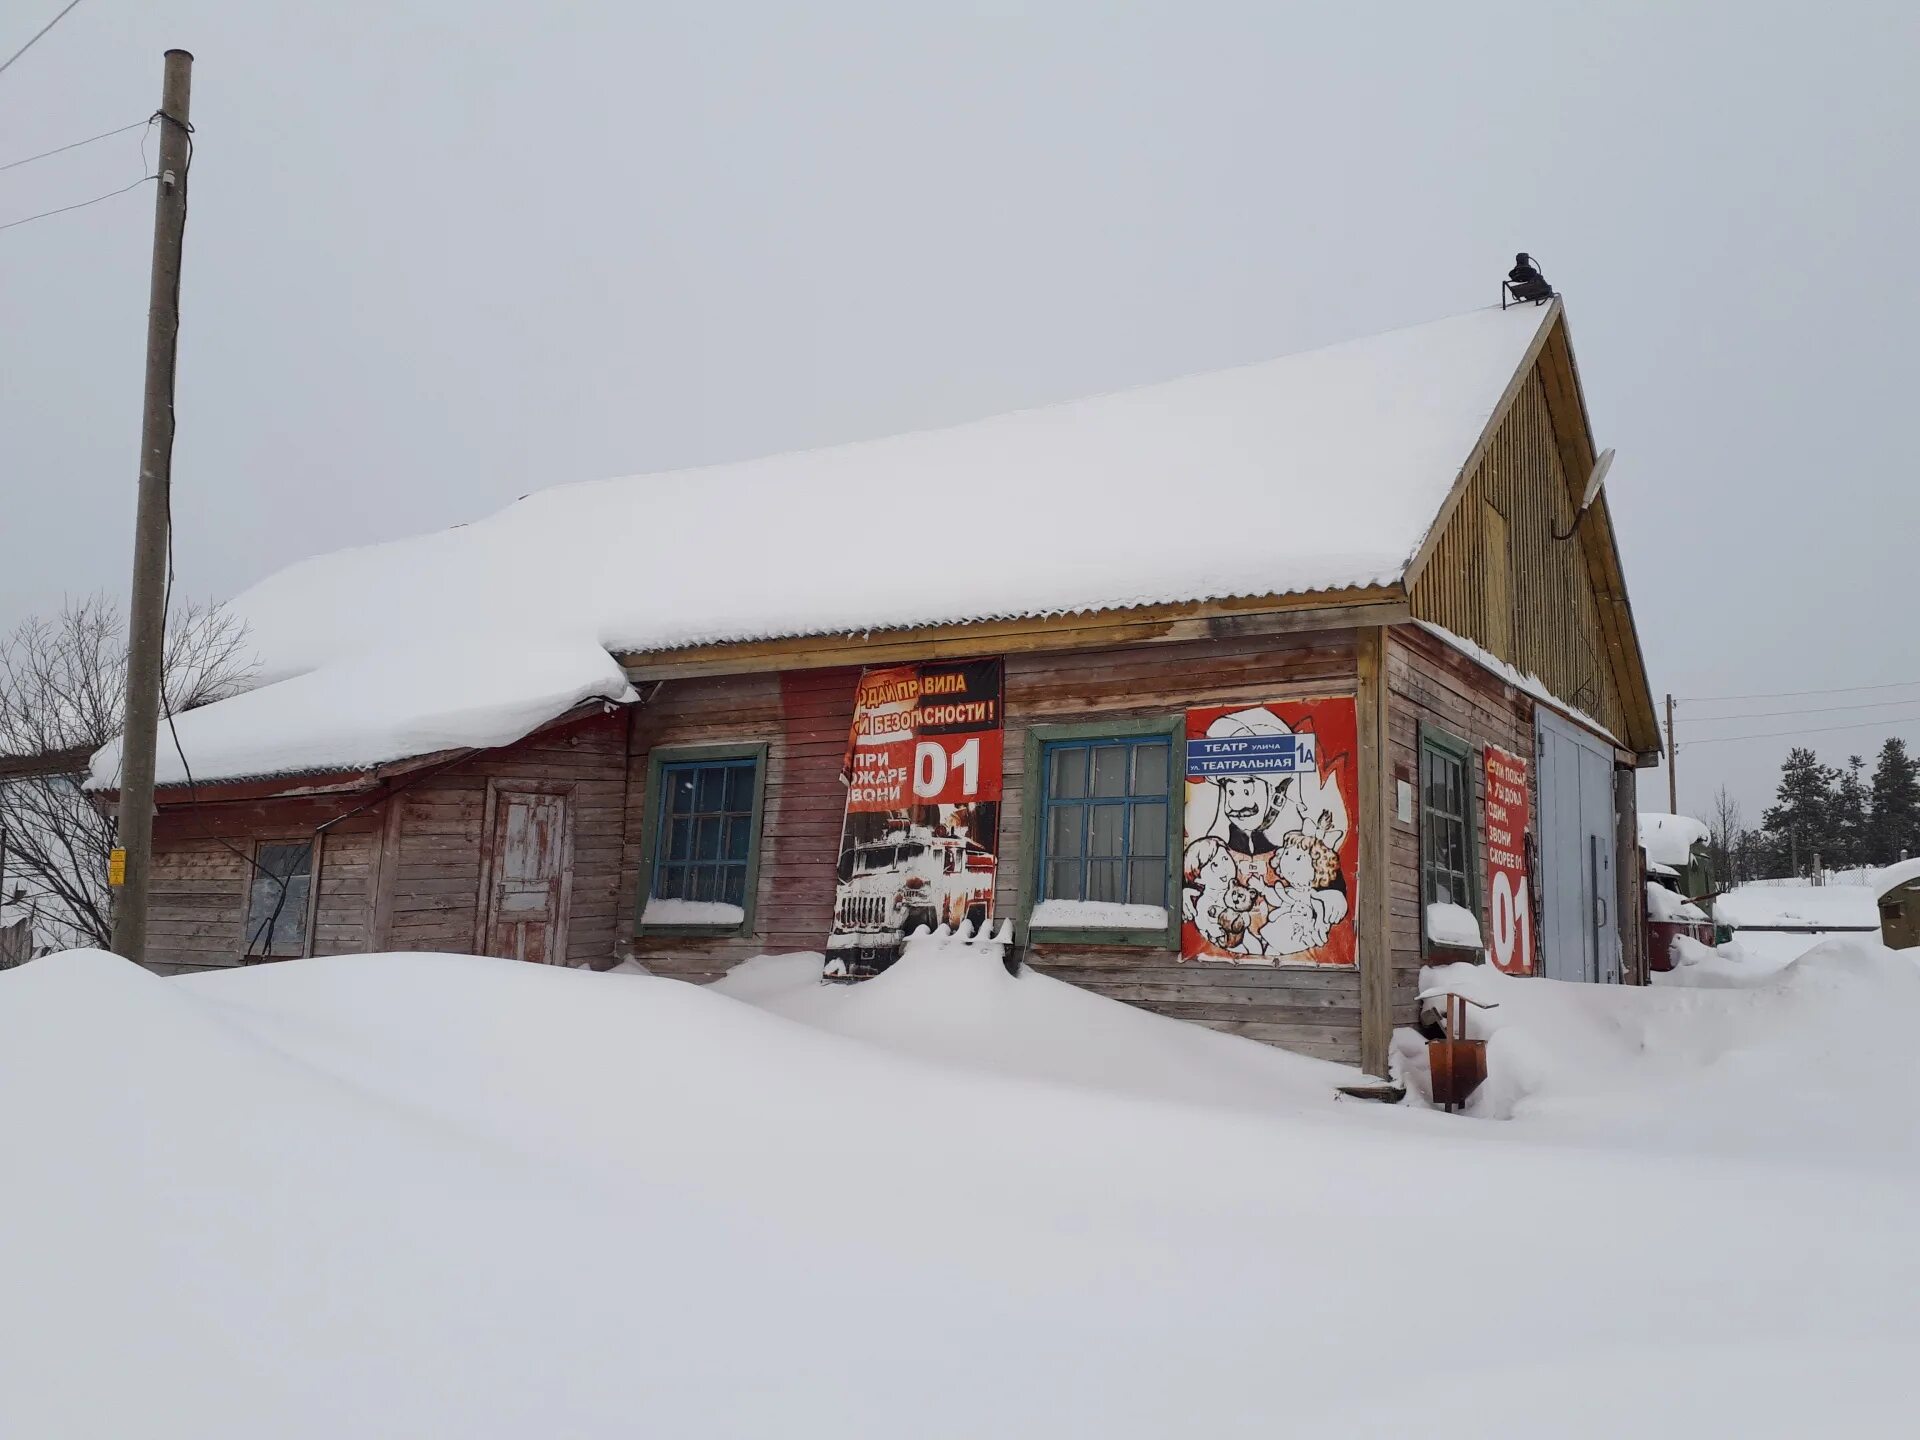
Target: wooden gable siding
column 1551, row 627
column 803, row 717
column 1430, row 683
column 397, row 873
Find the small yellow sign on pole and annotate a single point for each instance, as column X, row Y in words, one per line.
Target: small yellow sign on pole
column 116, row 867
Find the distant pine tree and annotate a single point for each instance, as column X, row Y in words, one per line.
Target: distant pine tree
column 1851, row 816
column 1802, row 821
column 1894, row 829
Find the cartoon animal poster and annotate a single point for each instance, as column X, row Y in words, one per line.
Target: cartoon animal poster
column 1269, row 874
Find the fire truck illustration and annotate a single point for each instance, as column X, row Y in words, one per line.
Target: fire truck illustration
column 911, row 876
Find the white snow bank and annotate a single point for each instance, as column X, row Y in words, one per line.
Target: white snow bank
column 1337, row 461
column 954, row 1002
column 1786, row 1067
column 437, row 1195
column 1098, row 915
column 1663, row 904
column 691, row 912
column 1825, row 907
column 1669, row 839
column 1452, row 925
column 393, row 701
column 1728, row 966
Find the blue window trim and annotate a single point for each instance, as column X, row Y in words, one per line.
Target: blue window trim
column 659, row 762
column 1033, row 858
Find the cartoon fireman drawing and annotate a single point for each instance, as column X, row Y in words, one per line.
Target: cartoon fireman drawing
column 1262, row 880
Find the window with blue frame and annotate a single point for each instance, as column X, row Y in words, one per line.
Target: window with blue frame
column 1103, row 830
column 704, row 838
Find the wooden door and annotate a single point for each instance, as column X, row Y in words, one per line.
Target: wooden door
column 527, row 872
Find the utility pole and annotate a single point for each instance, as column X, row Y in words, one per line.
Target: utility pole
column 1673, row 765
column 147, row 638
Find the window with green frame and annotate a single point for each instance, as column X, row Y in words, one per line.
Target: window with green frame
column 1103, row 817
column 1446, row 822
column 702, row 845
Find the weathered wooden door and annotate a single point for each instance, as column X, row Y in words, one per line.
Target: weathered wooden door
column 527, row 872
column 1574, row 849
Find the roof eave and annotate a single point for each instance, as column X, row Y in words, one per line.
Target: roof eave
column 1349, row 607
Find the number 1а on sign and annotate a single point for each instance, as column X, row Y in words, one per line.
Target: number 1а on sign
column 1210, row 755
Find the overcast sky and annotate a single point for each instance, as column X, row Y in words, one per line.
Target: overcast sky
column 441, row 254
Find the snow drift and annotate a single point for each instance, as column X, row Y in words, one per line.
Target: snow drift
column 435, row 1195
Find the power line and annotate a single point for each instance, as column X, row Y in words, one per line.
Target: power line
column 1807, row 710
column 79, row 205
column 62, row 149
column 1800, row 694
column 1890, row 720
column 36, row 36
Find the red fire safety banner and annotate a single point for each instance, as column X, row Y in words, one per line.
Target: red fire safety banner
column 1505, row 816
column 921, row 838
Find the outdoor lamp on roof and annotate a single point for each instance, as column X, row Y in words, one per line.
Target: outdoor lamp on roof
column 1524, row 282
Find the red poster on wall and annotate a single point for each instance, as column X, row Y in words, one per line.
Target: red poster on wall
column 921, row 838
column 1270, row 872
column 1504, row 838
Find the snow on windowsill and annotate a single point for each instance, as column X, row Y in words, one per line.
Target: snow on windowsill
column 1452, row 926
column 691, row 912
column 1096, row 915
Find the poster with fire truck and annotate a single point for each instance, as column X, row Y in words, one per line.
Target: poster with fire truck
column 920, row 843
column 1504, row 835
column 1269, row 870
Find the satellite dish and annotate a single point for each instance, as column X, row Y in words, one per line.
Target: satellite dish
column 1596, row 480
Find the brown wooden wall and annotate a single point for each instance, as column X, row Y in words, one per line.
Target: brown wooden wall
column 403, row 873
column 804, row 716
column 1552, row 625
column 1430, row 683
column 402, row 870
column 201, row 877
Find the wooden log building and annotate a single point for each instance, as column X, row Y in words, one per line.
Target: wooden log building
column 1455, row 729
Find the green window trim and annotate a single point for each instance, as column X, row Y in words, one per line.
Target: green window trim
column 1435, row 740
column 1174, row 728
column 657, row 761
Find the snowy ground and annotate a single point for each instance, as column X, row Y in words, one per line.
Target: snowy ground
column 432, row 1195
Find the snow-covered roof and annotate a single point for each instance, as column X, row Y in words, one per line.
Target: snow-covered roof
column 1894, row 876
column 1669, row 839
column 1828, row 907
column 1318, row 471
column 1663, row 904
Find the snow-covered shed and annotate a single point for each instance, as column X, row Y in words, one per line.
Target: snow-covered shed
column 1212, row 687
column 1676, row 850
column 1896, row 892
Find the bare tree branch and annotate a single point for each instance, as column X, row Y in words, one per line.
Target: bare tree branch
column 63, row 688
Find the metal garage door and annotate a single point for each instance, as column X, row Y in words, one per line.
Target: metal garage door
column 1579, row 929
